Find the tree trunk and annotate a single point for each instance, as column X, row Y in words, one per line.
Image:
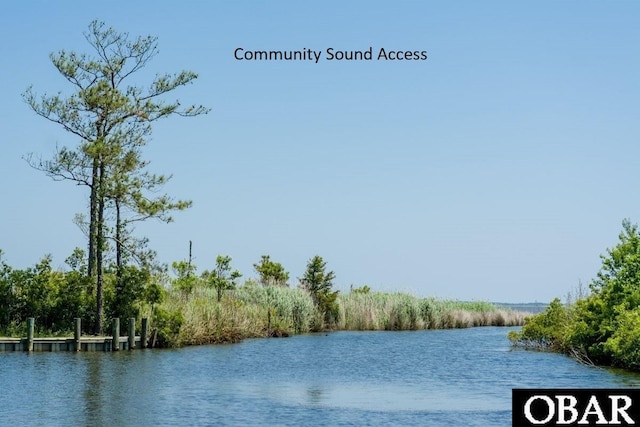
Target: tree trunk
column 118, row 238
column 119, row 266
column 93, row 220
column 100, row 243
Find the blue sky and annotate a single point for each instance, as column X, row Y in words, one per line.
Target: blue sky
column 498, row 169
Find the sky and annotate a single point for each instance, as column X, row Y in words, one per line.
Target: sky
column 500, row 168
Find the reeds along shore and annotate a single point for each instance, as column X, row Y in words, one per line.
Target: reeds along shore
column 256, row 311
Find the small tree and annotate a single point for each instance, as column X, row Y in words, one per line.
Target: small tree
column 361, row 290
column 186, row 279
column 222, row 278
column 271, row 273
column 319, row 284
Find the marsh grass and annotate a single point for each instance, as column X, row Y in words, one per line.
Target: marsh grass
column 249, row 311
column 397, row 311
column 252, row 311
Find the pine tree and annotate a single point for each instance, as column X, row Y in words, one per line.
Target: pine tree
column 319, row 284
column 112, row 120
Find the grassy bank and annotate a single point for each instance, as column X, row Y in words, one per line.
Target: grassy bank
column 256, row 311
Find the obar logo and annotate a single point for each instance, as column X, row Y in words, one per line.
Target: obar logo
column 575, row 407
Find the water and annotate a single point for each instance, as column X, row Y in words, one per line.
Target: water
column 451, row 377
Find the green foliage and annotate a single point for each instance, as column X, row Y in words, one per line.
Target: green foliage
column 166, row 327
column 223, row 277
column 271, row 273
column 603, row 327
column 154, row 293
column 53, row 298
column 74, row 299
column 185, row 279
column 7, row 299
column 77, row 260
column 547, row 329
column 128, row 291
column 361, row 290
column 603, row 322
column 319, row 284
column 56, row 298
column 624, row 343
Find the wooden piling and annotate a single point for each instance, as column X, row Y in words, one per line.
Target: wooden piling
column 132, row 333
column 115, row 343
column 143, row 332
column 77, row 334
column 30, row 328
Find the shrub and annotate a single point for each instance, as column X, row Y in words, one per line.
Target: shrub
column 545, row 330
column 624, row 345
column 166, row 327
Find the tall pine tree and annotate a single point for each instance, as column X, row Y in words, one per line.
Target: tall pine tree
column 111, row 117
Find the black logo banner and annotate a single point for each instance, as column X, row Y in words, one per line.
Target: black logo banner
column 575, row 407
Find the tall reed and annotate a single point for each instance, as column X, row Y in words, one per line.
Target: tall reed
column 247, row 312
column 398, row 311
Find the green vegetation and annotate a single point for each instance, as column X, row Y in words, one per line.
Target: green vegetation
column 397, row 311
column 190, row 308
column 55, row 298
column 271, row 273
column 319, row 283
column 604, row 326
column 222, row 278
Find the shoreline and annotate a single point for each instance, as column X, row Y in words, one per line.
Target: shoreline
column 453, row 319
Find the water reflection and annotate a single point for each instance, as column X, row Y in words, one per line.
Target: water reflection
column 93, row 387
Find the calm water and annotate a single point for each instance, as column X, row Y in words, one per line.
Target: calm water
column 453, row 377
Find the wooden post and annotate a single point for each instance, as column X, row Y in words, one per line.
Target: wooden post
column 78, row 333
column 132, row 333
column 155, row 334
column 143, row 332
column 115, row 343
column 30, row 327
